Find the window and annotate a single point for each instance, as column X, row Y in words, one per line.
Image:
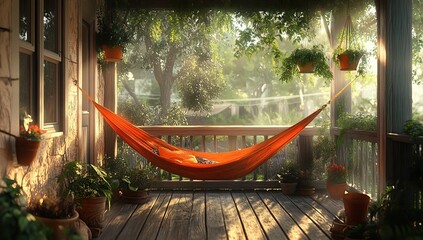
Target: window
column 40, row 58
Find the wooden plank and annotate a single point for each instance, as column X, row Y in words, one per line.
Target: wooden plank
column 118, row 216
column 318, row 207
column 251, row 224
column 267, row 221
column 197, row 229
column 138, row 219
column 322, row 222
column 331, row 205
column 150, row 230
column 288, row 225
column 175, row 223
column 215, row 184
column 308, row 226
column 233, row 223
column 214, row 217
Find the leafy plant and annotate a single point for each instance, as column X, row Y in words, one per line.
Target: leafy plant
column 359, row 121
column 414, row 128
column 288, row 172
column 138, row 178
column 303, row 56
column 15, row 222
column 115, row 168
column 85, row 180
column 113, row 30
column 324, row 153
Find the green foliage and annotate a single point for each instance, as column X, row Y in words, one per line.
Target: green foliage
column 15, row 222
column 199, row 82
column 138, row 177
column 362, row 122
column 175, row 116
column 288, row 172
column 393, row 215
column 139, row 114
column 324, row 153
column 113, row 30
column 414, row 128
column 303, row 56
column 85, row 181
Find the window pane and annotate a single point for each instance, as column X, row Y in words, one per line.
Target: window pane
column 50, row 92
column 25, row 20
column 50, row 25
column 26, row 86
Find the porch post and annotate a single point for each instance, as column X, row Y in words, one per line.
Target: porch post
column 394, row 86
column 110, row 79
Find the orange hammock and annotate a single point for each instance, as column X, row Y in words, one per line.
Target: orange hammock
column 181, row 161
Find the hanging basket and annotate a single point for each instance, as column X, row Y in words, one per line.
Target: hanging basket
column 356, row 207
column 26, row 150
column 347, row 64
column 306, row 68
column 113, row 54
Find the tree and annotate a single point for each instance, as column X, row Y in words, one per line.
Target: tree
column 164, row 38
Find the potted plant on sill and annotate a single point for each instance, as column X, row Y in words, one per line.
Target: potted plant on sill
column 15, row 222
column 336, row 182
column 91, row 190
column 288, row 177
column 136, row 181
column 306, row 60
column 113, row 35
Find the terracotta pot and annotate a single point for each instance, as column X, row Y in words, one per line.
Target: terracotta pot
column 136, row 197
column 91, row 211
column 336, row 190
column 26, row 150
column 356, row 207
column 306, row 68
column 288, row 188
column 345, row 63
column 58, row 226
column 337, row 229
column 113, row 54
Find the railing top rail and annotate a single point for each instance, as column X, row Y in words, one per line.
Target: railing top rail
column 223, row 130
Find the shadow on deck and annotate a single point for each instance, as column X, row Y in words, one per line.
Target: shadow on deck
column 222, row 215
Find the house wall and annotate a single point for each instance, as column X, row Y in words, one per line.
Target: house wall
column 40, row 177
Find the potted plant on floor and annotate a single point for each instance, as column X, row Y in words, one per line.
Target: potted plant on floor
column 136, row 181
column 91, row 190
column 336, row 182
column 306, row 60
column 15, row 222
column 115, row 168
column 288, row 177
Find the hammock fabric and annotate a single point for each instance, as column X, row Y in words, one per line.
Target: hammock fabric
column 181, row 161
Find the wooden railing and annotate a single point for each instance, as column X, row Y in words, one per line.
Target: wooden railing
column 358, row 152
column 225, row 138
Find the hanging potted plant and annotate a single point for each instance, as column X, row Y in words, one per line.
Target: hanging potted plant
column 28, row 142
column 306, row 60
column 288, row 177
column 347, row 54
column 336, row 182
column 113, row 34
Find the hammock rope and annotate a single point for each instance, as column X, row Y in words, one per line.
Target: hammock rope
column 225, row 166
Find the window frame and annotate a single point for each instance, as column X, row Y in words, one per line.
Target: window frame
column 38, row 56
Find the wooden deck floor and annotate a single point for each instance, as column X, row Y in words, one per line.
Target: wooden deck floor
column 222, row 215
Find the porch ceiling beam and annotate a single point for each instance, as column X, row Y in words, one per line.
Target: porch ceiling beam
column 231, row 4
